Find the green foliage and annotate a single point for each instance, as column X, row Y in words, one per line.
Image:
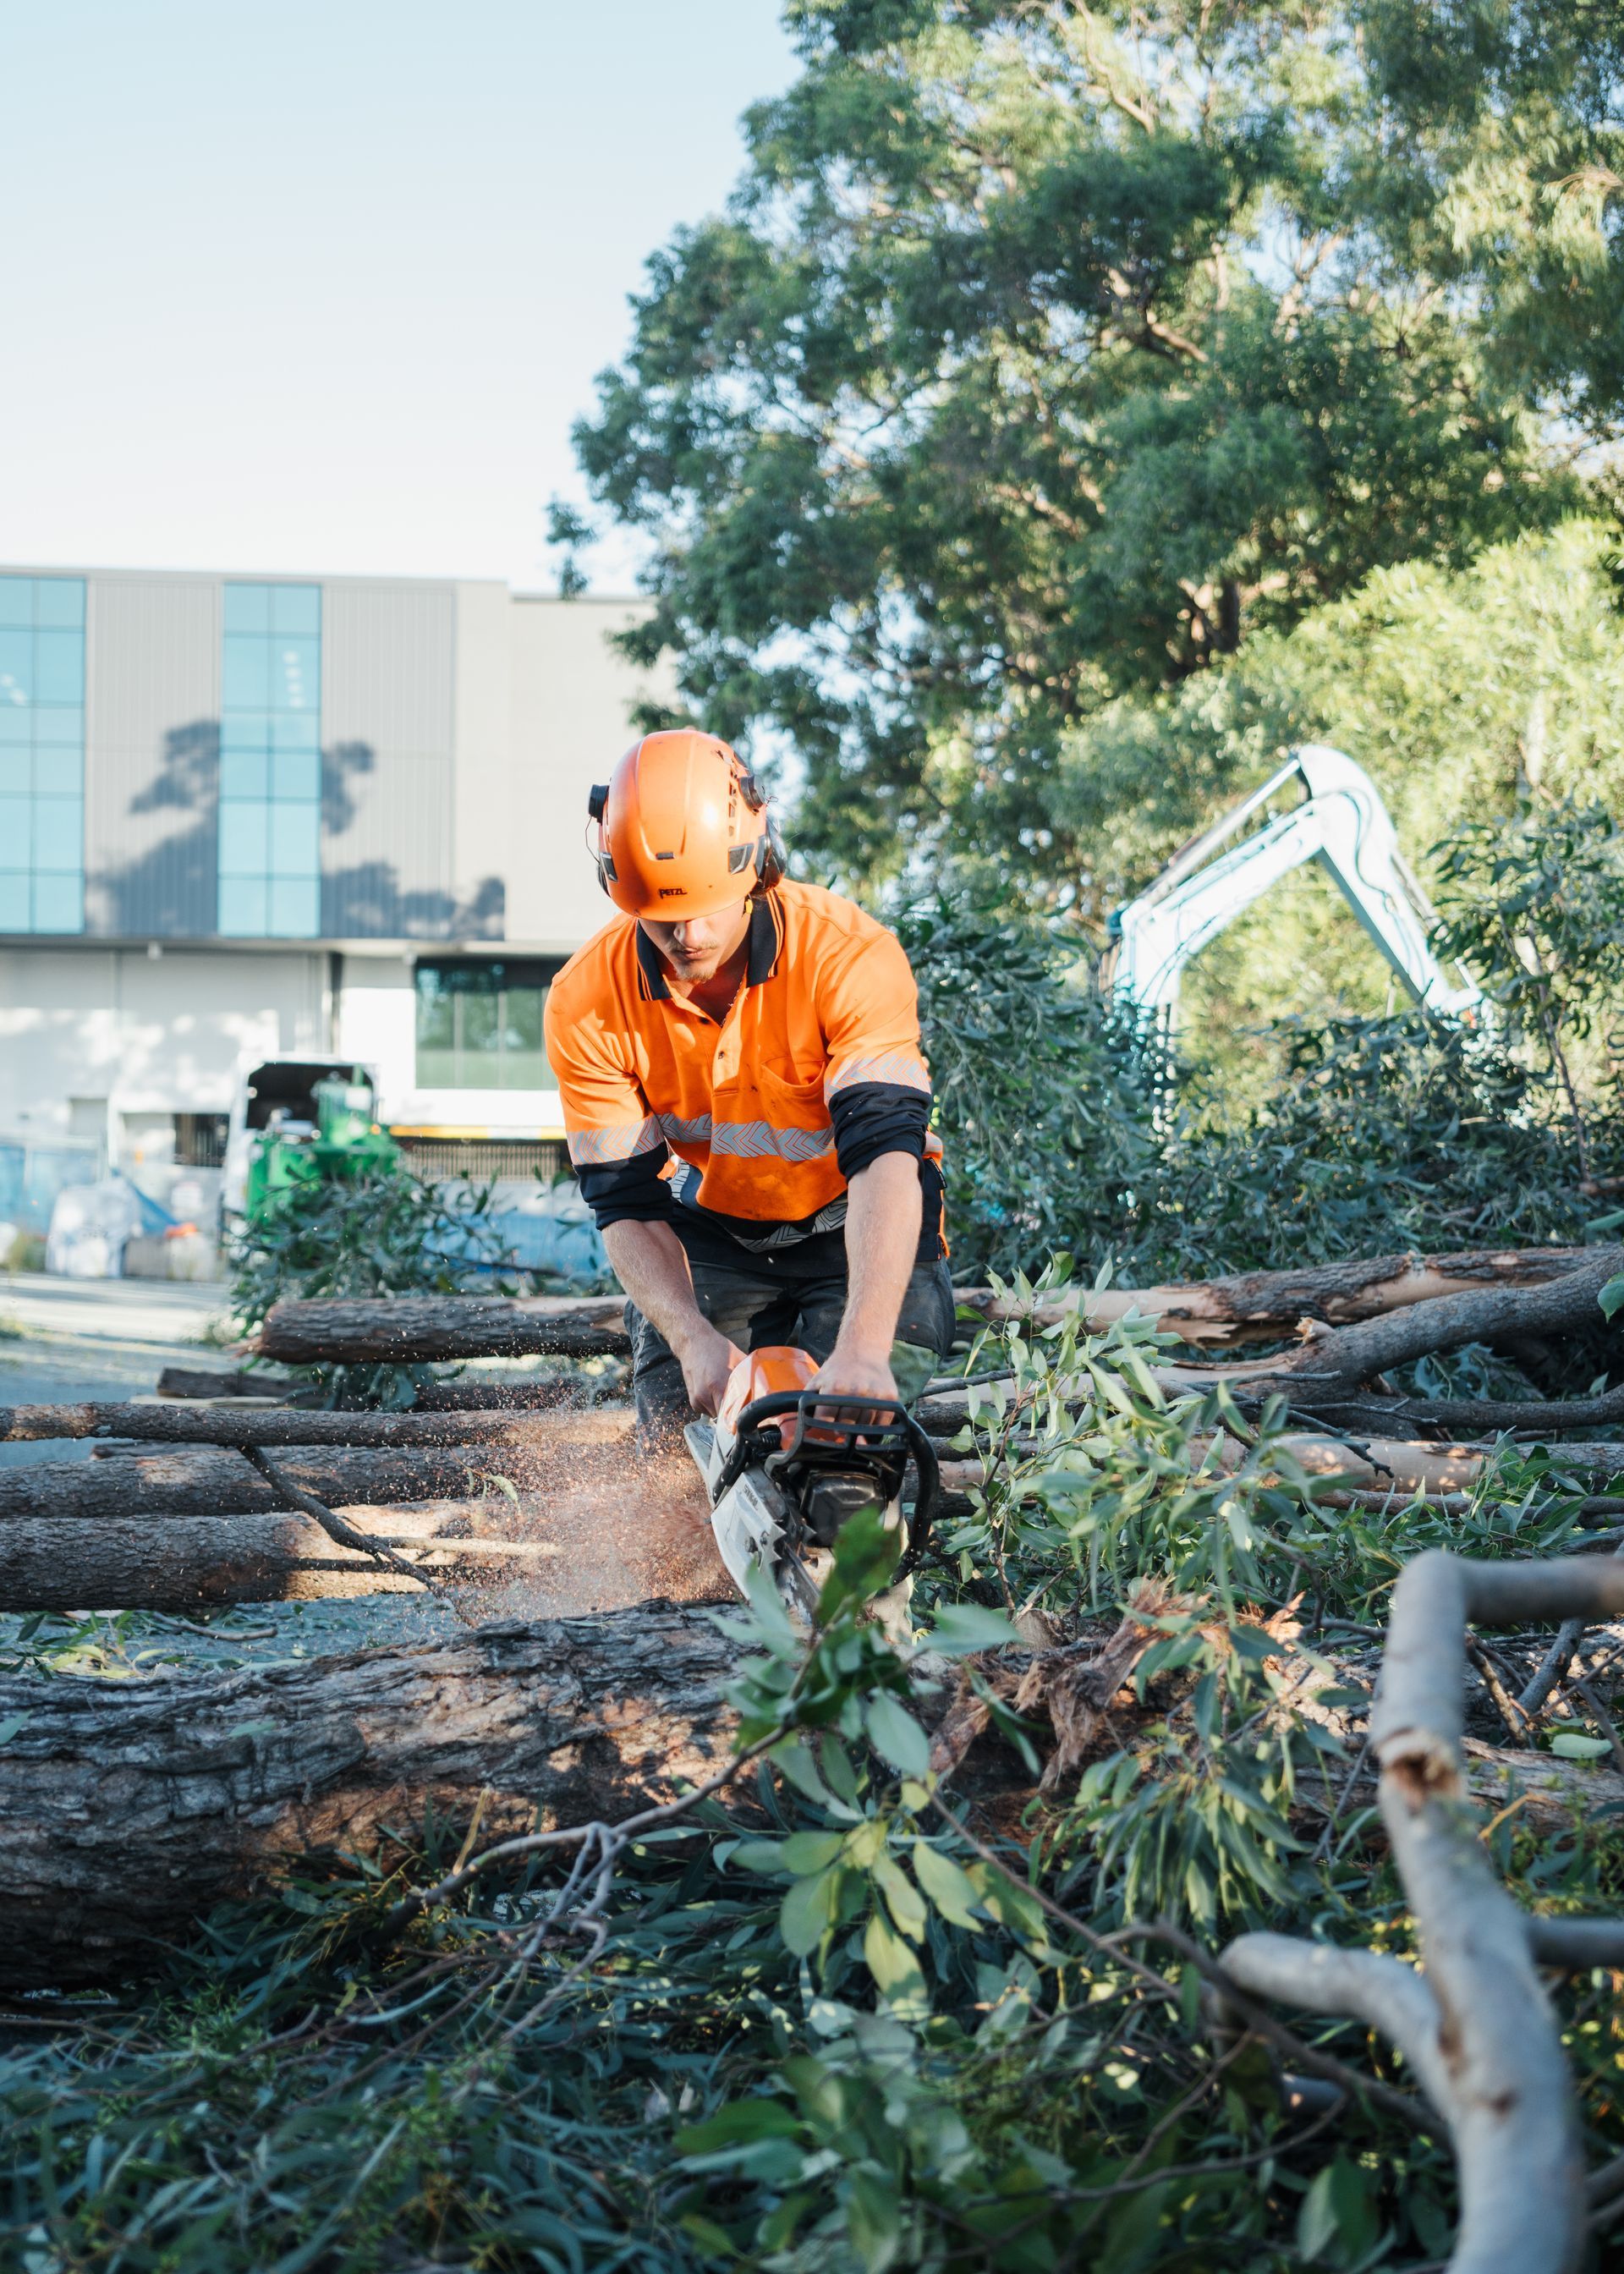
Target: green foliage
column 1033, row 1076
column 1411, row 1131
column 381, row 1231
column 1536, row 911
column 1457, row 689
column 1505, row 172
column 1064, row 1129
column 1042, row 356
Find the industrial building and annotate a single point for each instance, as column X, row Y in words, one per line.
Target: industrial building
column 250, row 816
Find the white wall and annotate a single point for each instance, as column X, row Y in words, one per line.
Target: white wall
column 154, row 1034
column 376, row 1022
column 572, row 702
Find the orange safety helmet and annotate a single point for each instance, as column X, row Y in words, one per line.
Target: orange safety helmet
column 683, row 829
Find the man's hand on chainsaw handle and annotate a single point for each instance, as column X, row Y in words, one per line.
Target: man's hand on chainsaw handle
column 882, row 1238
column 707, row 1360
column 650, row 1262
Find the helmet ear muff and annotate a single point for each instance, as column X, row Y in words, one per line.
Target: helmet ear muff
column 771, row 859
column 771, row 855
column 597, row 806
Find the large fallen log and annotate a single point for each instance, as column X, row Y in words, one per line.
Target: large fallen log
column 1256, row 1306
column 132, row 1807
column 414, row 1328
column 214, row 1480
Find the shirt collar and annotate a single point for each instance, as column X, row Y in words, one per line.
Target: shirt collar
column 765, row 939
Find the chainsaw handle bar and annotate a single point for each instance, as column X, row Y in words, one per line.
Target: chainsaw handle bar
column 808, row 1404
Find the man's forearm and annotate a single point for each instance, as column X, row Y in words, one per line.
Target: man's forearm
column 882, row 1242
column 650, row 1263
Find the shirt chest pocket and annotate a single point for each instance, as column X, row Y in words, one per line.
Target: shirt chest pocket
column 776, row 1117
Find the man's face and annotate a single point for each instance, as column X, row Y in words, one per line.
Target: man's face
column 697, row 949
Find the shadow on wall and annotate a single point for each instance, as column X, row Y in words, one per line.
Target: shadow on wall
column 171, row 891
column 368, row 901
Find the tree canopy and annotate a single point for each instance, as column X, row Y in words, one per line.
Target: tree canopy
column 1046, row 354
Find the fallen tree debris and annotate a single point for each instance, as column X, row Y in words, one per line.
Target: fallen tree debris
column 1256, row 1306
column 1476, row 2027
column 125, row 1563
column 1264, row 1306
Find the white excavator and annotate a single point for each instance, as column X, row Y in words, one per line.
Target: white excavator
column 1342, row 823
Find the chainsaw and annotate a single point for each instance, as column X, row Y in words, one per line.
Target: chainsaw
column 786, row 1466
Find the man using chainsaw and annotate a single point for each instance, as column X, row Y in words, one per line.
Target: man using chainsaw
column 745, row 1098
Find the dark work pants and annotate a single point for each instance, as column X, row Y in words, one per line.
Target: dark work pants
column 759, row 1304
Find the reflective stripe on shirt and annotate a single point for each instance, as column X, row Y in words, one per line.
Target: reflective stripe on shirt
column 592, row 1148
column 900, row 1069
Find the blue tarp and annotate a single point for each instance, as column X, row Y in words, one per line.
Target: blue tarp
column 30, row 1177
column 549, row 1231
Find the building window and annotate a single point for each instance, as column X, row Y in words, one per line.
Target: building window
column 480, row 1024
column 270, row 763
column 201, row 1140
column 42, row 754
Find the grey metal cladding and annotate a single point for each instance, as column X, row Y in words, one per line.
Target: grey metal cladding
column 151, row 755
column 388, row 735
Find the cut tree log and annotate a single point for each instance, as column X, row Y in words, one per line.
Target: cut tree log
column 418, row 1329
column 200, row 1381
column 178, row 1562
column 1373, row 1463
column 210, row 1480
column 170, row 1424
column 132, row 1807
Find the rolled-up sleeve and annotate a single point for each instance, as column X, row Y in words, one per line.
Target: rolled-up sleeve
column 877, row 1086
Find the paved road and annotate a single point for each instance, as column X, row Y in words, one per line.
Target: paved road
column 62, row 1339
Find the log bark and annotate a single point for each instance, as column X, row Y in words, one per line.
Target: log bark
column 417, row 1329
column 1327, row 1376
column 130, row 1808
column 209, row 1381
column 262, row 1424
column 210, row 1480
column 1541, row 1418
column 1262, row 1305
column 179, row 1563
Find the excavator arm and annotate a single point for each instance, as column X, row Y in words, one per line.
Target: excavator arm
column 1344, row 825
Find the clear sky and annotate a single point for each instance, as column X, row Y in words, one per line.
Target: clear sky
column 319, row 284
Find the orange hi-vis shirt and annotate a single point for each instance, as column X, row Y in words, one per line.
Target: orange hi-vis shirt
column 755, row 1127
